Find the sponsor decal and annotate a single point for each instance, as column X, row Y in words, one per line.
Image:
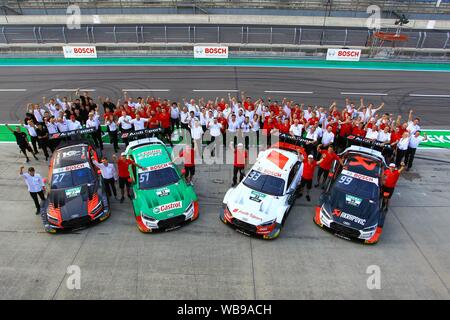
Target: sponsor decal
column 210, row 52
column 360, row 176
column 245, row 213
column 149, row 153
column 157, row 167
column 73, row 192
column 80, row 52
column 343, row 54
column 349, row 217
column 257, row 196
column 71, row 168
column 167, row 207
column 163, row 192
column 352, row 200
column 72, row 153
column 278, row 159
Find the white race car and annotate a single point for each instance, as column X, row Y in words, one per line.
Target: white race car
column 260, row 204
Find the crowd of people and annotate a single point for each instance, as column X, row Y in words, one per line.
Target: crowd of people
column 325, row 128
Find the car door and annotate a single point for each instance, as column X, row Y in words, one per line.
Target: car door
column 293, row 182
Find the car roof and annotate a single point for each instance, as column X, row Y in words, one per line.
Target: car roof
column 276, row 162
column 150, row 155
column 71, row 155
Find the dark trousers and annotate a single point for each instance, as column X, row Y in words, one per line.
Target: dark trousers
column 409, row 157
column 174, row 123
column 399, row 158
column 113, row 138
column 34, row 196
column 97, row 137
column 110, row 185
column 126, row 140
column 34, row 142
column 24, row 148
column 241, row 172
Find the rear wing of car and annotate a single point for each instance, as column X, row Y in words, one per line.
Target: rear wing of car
column 73, row 133
column 141, row 142
column 368, row 144
column 144, row 133
column 297, row 141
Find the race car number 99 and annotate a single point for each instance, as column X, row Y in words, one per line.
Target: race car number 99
column 345, row 180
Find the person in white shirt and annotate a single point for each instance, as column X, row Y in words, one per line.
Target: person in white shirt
column 310, row 146
column 192, row 106
column 31, row 128
column 73, row 123
column 125, row 125
column 35, row 184
column 38, row 113
column 372, row 133
column 214, row 128
column 94, row 122
column 109, row 175
column 402, row 148
column 196, row 135
column 328, row 137
column 413, row 125
column 62, row 124
column 113, row 131
column 296, row 129
column 138, row 122
column 174, row 116
column 384, row 136
column 414, row 142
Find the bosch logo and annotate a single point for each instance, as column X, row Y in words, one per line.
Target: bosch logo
column 216, row 50
column 342, row 53
column 83, row 50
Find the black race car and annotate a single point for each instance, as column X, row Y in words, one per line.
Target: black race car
column 76, row 194
column 350, row 206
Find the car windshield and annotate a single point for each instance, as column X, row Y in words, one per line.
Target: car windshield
column 71, row 179
column 264, row 183
column 357, row 187
column 157, row 178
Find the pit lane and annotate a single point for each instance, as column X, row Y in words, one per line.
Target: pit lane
column 207, row 260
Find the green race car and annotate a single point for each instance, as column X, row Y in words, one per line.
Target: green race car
column 162, row 200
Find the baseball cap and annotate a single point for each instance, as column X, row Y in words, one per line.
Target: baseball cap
column 240, row 145
column 123, row 154
column 392, row 165
column 311, row 156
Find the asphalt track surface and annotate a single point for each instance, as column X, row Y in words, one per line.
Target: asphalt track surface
column 427, row 93
column 206, row 259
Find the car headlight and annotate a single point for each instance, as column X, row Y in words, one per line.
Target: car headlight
column 370, row 229
column 190, row 206
column 325, row 212
column 147, row 217
column 268, row 223
column 52, row 217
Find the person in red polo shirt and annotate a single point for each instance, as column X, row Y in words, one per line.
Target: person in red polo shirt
column 164, row 120
column 390, row 178
column 309, row 165
column 124, row 175
column 328, row 156
column 240, row 159
column 188, row 155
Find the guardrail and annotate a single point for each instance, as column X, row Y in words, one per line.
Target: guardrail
column 213, row 34
column 404, row 6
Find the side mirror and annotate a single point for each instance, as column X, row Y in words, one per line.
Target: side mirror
column 183, row 172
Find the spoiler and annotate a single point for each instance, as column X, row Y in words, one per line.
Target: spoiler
column 72, row 133
column 140, row 133
column 363, row 142
column 294, row 140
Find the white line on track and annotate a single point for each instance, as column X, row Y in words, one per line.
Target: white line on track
column 364, row 93
column 81, row 90
column 289, row 92
column 145, row 90
column 214, row 90
column 13, row 90
column 429, row 95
